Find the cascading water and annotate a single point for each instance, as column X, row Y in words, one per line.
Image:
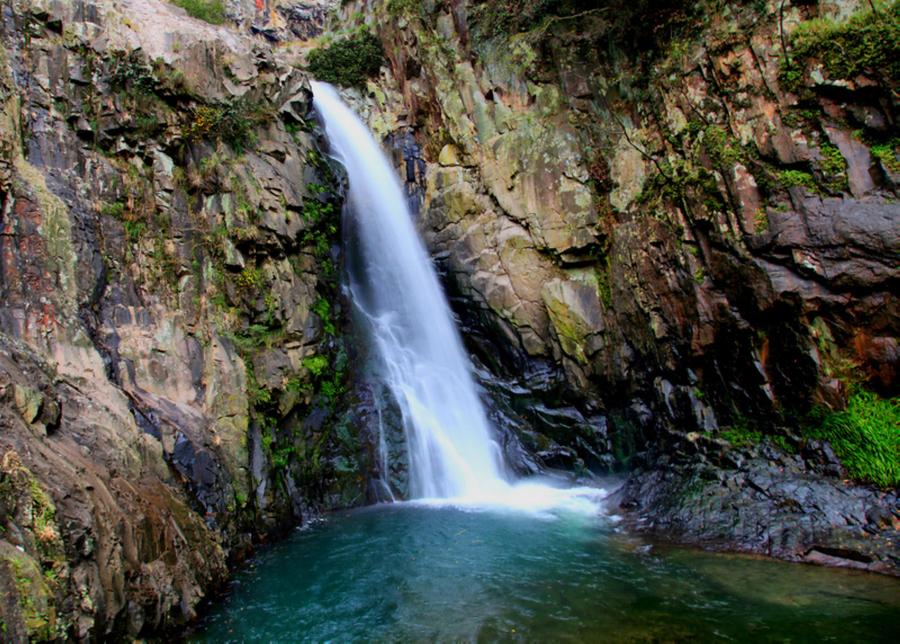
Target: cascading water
column 421, row 356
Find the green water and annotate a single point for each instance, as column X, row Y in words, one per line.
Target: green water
column 403, row 573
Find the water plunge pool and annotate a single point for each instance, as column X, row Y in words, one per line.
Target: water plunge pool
column 409, row 573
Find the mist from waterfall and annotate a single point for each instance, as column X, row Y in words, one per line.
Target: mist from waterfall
column 421, row 358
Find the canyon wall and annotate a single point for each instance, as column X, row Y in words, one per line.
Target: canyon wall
column 670, row 233
column 171, row 351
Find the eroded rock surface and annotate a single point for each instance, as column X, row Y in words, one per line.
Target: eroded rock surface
column 650, row 224
column 169, row 318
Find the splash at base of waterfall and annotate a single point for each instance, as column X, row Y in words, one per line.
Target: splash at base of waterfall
column 537, row 496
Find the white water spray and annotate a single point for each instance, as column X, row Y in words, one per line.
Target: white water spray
column 452, row 457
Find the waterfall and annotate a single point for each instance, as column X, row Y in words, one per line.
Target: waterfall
column 419, row 350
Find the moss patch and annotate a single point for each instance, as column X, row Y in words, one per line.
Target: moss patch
column 796, row 178
column 887, row 154
column 867, row 43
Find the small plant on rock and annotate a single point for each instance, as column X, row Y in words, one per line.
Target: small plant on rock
column 865, row 436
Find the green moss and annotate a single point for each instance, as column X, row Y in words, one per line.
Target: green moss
column 865, row 437
column 315, row 365
column 134, row 229
column 323, row 309
column 781, row 442
column 604, row 286
column 686, row 183
column 722, row 149
column 887, row 154
column 741, row 435
column 348, row 62
column 314, row 211
column 795, row 178
column 256, row 393
column 255, row 336
column 834, row 168
column 211, row 11
column 115, row 210
column 250, row 278
column 402, row 8
column 34, row 597
column 866, row 43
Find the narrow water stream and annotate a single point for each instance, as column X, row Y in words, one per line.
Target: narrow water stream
column 410, row 573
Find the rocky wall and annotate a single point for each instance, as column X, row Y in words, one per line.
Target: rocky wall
column 171, row 332
column 670, row 233
column 654, row 225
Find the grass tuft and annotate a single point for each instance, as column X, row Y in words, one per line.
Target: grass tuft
column 865, row 436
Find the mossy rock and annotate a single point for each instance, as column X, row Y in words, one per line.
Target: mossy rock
column 34, row 610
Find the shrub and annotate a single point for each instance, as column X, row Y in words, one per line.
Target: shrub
column 211, row 11
column 348, row 62
column 865, row 436
column 231, row 122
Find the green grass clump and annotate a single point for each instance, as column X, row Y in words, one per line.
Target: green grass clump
column 887, row 154
column 794, row 178
column 348, row 62
column 211, row 11
column 741, row 436
column 867, row 43
column 865, row 436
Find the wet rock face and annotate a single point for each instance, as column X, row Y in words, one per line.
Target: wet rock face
column 659, row 220
column 169, row 316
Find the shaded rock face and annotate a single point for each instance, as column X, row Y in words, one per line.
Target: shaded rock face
column 171, row 349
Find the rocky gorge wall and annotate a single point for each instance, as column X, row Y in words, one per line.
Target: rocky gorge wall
column 659, row 237
column 171, row 336
column 670, row 231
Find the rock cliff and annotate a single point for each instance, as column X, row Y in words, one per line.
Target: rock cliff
column 669, row 230
column 168, row 267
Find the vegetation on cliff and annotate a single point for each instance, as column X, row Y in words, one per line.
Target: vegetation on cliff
column 211, row 11
column 865, row 436
column 866, row 43
column 348, row 61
